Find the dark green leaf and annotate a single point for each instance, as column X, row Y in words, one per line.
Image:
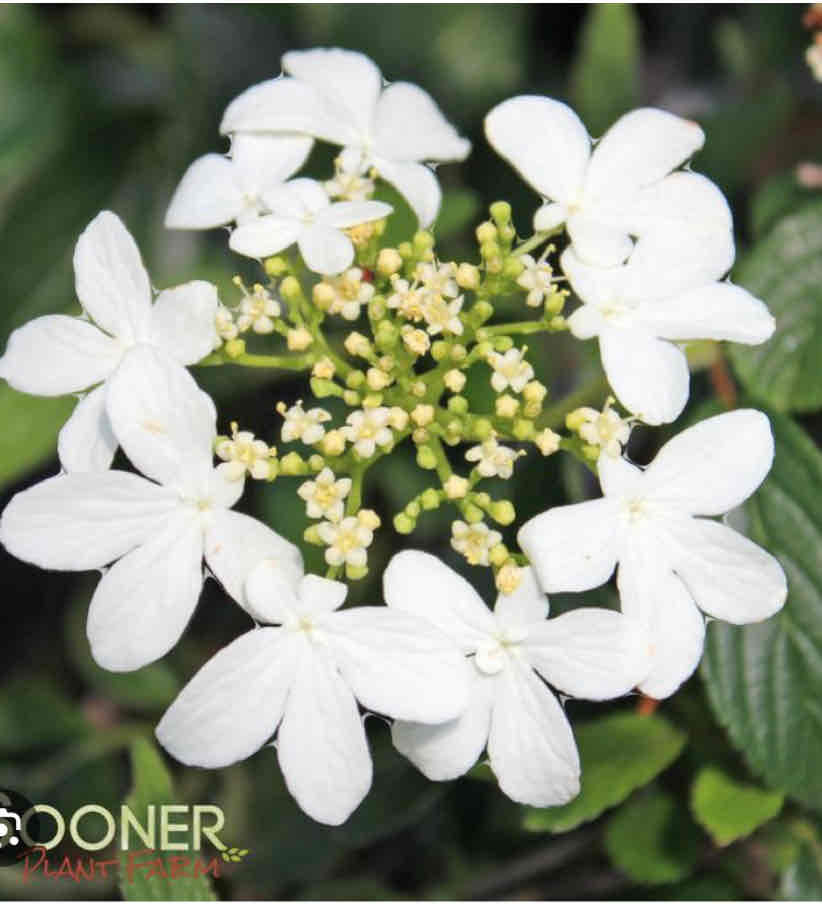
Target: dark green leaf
column 802, row 880
column 778, row 196
column 28, row 436
column 728, row 809
column 34, row 714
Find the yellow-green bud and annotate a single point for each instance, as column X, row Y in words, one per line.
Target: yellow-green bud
column 498, row 555
column 426, row 458
column 481, row 312
column 299, row 339
column 555, row 303
column 389, row 261
column 482, row 429
column 468, row 276
column 458, row 404
column 413, row 509
column 316, row 463
column 312, row 536
column 503, row 512
column 418, row 389
column 377, row 379
column 439, row 350
column 501, row 212
column 534, row 391
column 273, row 468
column 355, row 573
column 275, row 266
column 292, row 464
column 507, row 233
column 321, row 388
column 235, row 348
column 387, row 335
column 404, row 524
column 333, row 443
column 430, row 499
column 406, row 251
column 506, row 406
column 472, row 514
column 454, row 380
column 352, row 398
column 290, row 287
column 423, row 414
column 486, row 232
column 423, row 242
column 501, row 344
column 355, row 379
column 482, row 499
column 377, row 308
column 323, row 295
column 372, row 400
column 419, row 436
column 523, row 429
column 591, row 452
column 512, row 267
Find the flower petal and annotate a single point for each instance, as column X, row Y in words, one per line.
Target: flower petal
column 182, row 321
column 448, row 750
column 417, row 184
column 263, row 161
column 84, row 521
column 617, row 476
column 590, row 653
column 235, row 544
column 596, row 242
column 729, row 576
column 640, row 148
column 422, row 585
column 543, row 140
column 325, row 249
column 650, row 377
column 208, row 196
column 531, row 747
column 111, row 281
column 321, row 595
column 526, row 605
column 54, row 355
column 144, row 602
column 270, row 592
column 572, row 548
column 87, row 441
column 349, row 214
column 263, row 237
column 397, row 664
column 714, row 466
column 232, row 706
column 321, row 743
column 409, row 125
column 164, row 422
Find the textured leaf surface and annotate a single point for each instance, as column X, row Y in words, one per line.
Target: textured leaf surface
column 729, row 810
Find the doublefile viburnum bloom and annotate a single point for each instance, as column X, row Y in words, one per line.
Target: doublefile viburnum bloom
column 56, row 354
column 304, row 425
column 367, row 429
column 589, row 653
column 339, row 96
column 347, row 541
column 217, row 190
column 627, row 187
column 493, row 459
column 243, row 455
column 344, row 294
column 156, row 528
column 324, row 495
column 537, row 279
column 303, row 680
column 673, row 559
column 635, row 311
column 474, row 541
column 300, row 212
column 510, row 370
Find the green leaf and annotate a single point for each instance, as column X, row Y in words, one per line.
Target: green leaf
column 785, row 270
column 459, row 208
column 29, row 433
column 153, row 786
column 802, row 880
column 619, row 754
column 652, row 840
column 778, row 196
column 35, row 715
column 728, row 809
column 605, row 78
column 764, row 681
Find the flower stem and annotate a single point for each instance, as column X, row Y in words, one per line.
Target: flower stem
column 254, row 360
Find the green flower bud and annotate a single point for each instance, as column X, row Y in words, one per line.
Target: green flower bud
column 501, row 344
column 275, row 266
column 312, row 536
column 290, row 287
column 501, row 212
column 316, row 463
column 498, row 555
column 292, row 464
column 486, row 233
column 376, row 308
column 387, row 336
column 426, row 458
column 352, row 398
column 482, row 429
column 423, row 241
column 413, row 509
column 372, row 400
column 523, row 430
column 481, row 312
column 404, row 524
column 458, row 404
column 439, row 350
column 406, row 251
column 235, row 348
column 503, row 512
column 355, row 573
column 458, row 352
column 482, row 499
column 430, row 499
column 355, row 379
column 507, row 233
column 322, row 387
column 512, row 267
column 473, row 514
column 555, row 303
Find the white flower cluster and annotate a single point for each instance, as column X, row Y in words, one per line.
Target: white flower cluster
column 649, row 244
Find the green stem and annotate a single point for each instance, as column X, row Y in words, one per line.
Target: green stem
column 592, row 392
column 522, row 327
column 532, row 243
column 254, row 360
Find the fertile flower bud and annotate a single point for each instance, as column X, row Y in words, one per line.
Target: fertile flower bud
column 506, row 406
column 501, row 212
column 275, row 266
column 547, row 442
column 357, row 344
column 456, row 487
column 422, row 414
column 324, row 368
column 486, row 232
column 508, row 578
column 290, row 287
column 377, row 379
column 235, row 348
column 299, row 339
column 454, row 380
column 389, row 261
column 404, row 524
column 323, row 295
column 426, row 458
column 468, row 276
column 333, row 443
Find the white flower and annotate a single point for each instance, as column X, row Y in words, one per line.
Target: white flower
column 537, row 280
column 442, row 316
column 55, row 354
column 495, row 460
column 218, row 190
column 406, row 300
column 243, row 454
column 673, row 561
column 257, row 310
column 625, row 189
column 350, row 293
column 813, row 58
column 368, row 429
column 306, row 425
column 637, row 308
column 347, row 541
column 353, row 187
column 303, row 680
column 156, row 533
column 604, row 428
column 510, row 370
column 324, row 495
column 301, row 213
column 474, row 541
column 437, row 279
column 339, row 96
column 589, row 653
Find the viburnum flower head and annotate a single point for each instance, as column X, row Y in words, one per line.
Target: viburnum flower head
column 635, row 310
column 303, row 678
column 672, row 558
column 300, row 212
column 339, row 96
column 156, row 528
column 56, row 354
column 627, row 187
column 589, row 653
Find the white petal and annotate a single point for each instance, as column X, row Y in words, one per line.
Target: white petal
column 349, row 214
column 321, row 744
column 287, row 105
column 84, row 521
column 717, row 311
column 639, row 149
column 164, row 422
column 421, row 584
column 729, row 576
column 233, row 705
column 299, row 198
column 87, row 441
column 714, row 466
column 182, row 321
column 661, row 604
column 572, row 548
column 585, row 322
column 325, row 250
column 618, row 477
column 270, row 592
column 350, row 81
column 590, row 653
column 235, row 544
column 548, row 217
column 321, row 595
column 263, row 237
column 263, row 161
column 144, row 602
column 543, row 140
column 448, row 750
column 417, row 184
column 526, row 605
column 408, row 125
column 208, row 196
column 650, row 377
column 397, row 664
column 55, row 354
column 111, row 281
column 596, row 242
column 531, row 747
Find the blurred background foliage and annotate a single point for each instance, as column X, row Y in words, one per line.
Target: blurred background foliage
column 716, row 794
